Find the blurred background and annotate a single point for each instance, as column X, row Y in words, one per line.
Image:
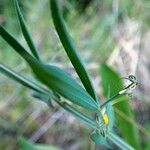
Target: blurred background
column 116, row 32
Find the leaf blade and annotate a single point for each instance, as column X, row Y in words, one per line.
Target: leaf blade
column 70, row 49
column 66, row 86
column 25, row 31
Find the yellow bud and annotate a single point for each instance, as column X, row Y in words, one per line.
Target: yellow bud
column 106, row 120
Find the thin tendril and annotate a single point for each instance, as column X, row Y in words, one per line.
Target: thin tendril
column 121, row 92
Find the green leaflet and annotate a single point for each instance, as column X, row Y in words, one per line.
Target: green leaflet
column 70, row 48
column 26, row 145
column 60, row 81
column 53, row 77
column 110, row 78
column 25, row 32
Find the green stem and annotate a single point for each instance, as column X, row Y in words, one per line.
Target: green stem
column 22, row 80
column 92, row 123
column 119, row 142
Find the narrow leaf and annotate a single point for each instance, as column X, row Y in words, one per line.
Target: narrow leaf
column 110, row 78
column 53, row 77
column 62, row 82
column 25, row 31
column 70, row 48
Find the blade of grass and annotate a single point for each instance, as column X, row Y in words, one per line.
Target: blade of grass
column 53, row 77
column 110, row 78
column 70, row 48
column 25, row 31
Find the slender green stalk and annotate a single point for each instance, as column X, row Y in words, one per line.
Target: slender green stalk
column 24, row 81
column 25, row 31
column 70, row 48
column 119, row 142
column 92, row 123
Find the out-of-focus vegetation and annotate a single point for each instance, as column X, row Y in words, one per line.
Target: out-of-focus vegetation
column 97, row 31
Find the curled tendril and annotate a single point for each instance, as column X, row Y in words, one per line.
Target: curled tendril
column 127, row 90
column 132, row 78
column 131, row 86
